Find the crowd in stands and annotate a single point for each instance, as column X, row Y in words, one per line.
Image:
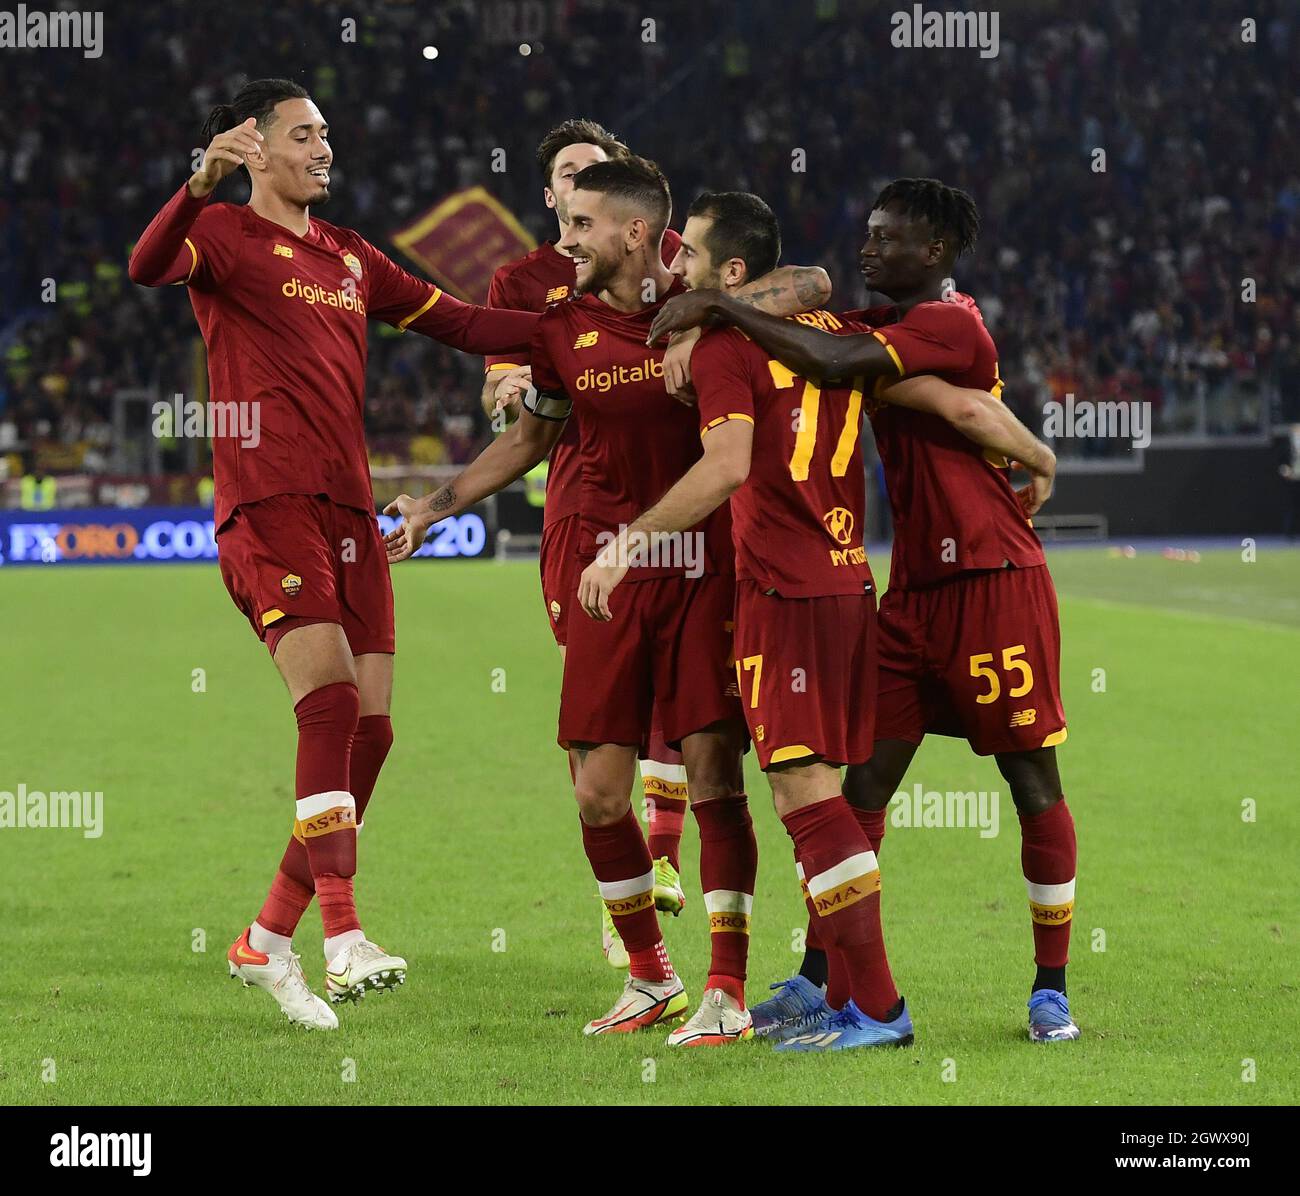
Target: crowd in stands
column 1137, row 167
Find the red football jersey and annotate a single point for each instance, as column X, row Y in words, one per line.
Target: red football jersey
column 533, row 283
column 636, row 441
column 284, row 320
column 799, row 517
column 954, row 509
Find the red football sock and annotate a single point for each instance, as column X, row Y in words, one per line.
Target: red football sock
column 728, row 865
column 872, row 823
column 837, row 976
column 370, row 747
column 287, row 903
column 625, row 875
column 327, row 721
column 843, row 882
column 664, row 785
column 1048, row 857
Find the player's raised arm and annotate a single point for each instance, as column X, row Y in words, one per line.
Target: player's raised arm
column 785, row 291
column 164, row 253
column 511, row 455
column 987, row 421
column 807, row 351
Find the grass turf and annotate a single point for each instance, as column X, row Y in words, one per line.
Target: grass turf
column 472, row 844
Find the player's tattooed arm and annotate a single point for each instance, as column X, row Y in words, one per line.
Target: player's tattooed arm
column 787, row 290
column 988, row 422
column 702, row 489
column 505, row 460
column 807, row 351
column 782, row 292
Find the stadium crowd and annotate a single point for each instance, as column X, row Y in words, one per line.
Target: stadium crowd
column 1170, row 276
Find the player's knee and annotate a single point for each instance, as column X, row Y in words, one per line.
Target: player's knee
column 333, row 708
column 1033, row 778
column 865, row 789
column 599, row 805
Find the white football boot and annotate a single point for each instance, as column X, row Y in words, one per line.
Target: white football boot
column 360, row 968
column 719, row 1020
column 281, row 976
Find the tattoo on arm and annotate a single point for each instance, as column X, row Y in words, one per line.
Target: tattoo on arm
column 754, row 298
column 808, row 285
column 442, row 499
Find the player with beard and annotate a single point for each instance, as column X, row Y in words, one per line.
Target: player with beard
column 787, row 452
column 969, row 630
column 669, row 636
column 544, row 276
column 282, row 299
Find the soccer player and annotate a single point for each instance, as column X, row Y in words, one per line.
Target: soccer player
column 669, row 638
column 282, row 298
column 969, row 630
column 545, row 276
column 805, row 643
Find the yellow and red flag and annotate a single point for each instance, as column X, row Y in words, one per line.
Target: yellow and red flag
column 461, row 240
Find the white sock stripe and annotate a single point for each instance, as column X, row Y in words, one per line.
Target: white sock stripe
column 318, row 803
column 674, row 773
column 1050, row 894
column 798, row 868
column 862, row 864
column 727, row 901
column 612, row 890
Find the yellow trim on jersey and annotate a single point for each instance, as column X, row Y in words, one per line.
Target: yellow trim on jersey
column 722, row 419
column 504, row 365
column 793, row 752
column 891, row 351
column 1056, row 737
column 194, row 253
column 415, row 315
column 271, row 616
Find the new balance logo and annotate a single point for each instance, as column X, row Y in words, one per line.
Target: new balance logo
column 1023, row 718
column 283, row 251
column 586, row 340
column 555, row 294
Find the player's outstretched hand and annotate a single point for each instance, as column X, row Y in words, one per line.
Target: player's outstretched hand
column 226, row 154
column 694, row 309
column 408, row 535
column 677, row 366
column 597, row 582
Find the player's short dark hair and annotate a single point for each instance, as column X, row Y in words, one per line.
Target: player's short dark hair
column 257, row 98
column 578, row 131
column 951, row 213
column 743, row 226
column 636, row 181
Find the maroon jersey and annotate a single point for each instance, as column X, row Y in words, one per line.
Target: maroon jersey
column 533, row 283
column 636, row 441
column 799, row 517
column 954, row 508
column 284, row 320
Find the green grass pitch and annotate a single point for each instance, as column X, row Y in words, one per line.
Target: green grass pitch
column 472, row 845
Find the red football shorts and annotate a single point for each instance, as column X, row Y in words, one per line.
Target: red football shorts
column 669, row 642
column 558, row 558
column 978, row 657
column 807, row 673
column 299, row 558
